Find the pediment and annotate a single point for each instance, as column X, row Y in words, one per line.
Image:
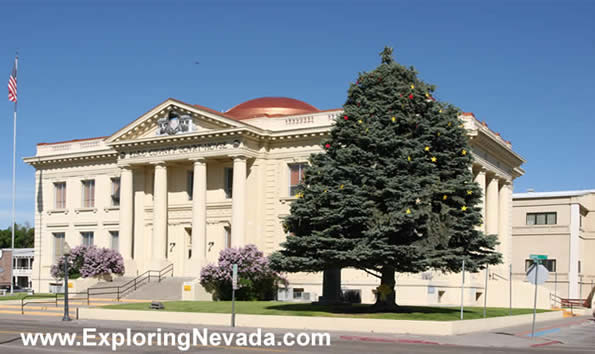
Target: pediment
column 173, row 117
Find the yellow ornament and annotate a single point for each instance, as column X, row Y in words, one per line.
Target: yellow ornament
column 408, row 158
column 462, row 126
column 434, row 159
column 438, row 134
column 449, row 124
column 463, row 208
column 427, row 148
column 360, row 121
column 367, row 129
column 469, row 192
column 393, row 119
column 412, row 86
column 464, row 152
column 444, row 197
column 342, row 186
column 325, row 191
column 427, row 95
column 440, row 111
column 408, row 211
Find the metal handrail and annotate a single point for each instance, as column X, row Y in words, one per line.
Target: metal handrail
column 494, row 274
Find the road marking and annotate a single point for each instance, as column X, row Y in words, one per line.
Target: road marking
column 547, row 331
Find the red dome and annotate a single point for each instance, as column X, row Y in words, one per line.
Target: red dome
column 270, row 107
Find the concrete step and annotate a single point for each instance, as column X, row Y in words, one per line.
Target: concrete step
column 168, row 289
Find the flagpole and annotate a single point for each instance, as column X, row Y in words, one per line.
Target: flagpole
column 14, row 154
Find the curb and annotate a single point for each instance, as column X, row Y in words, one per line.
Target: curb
column 387, row 340
column 546, row 343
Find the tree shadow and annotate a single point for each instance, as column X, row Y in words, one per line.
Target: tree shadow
column 359, row 309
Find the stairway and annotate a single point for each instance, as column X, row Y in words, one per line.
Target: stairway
column 168, row 289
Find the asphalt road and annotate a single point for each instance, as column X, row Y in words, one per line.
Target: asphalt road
column 575, row 336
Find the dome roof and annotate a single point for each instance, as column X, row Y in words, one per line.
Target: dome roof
column 270, row 107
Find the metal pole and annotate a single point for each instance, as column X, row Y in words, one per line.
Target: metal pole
column 463, row 290
column 14, row 154
column 485, row 295
column 510, row 289
column 580, row 284
column 233, row 307
column 535, row 300
column 66, row 312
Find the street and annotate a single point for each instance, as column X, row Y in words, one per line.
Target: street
column 573, row 335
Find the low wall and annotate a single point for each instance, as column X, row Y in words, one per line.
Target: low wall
column 317, row 323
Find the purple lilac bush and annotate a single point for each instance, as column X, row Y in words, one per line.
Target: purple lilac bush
column 256, row 279
column 89, row 261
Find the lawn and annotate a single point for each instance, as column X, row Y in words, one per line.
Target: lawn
column 307, row 309
column 18, row 296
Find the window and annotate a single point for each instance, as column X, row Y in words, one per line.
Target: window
column 296, row 176
column 542, row 218
column 190, row 184
column 579, row 266
column 58, row 245
column 87, row 238
column 298, row 293
column 228, row 183
column 550, row 264
column 60, row 195
column 115, row 240
column 116, row 191
column 227, row 233
column 89, row 193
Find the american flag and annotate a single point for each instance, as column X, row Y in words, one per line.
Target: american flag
column 12, row 84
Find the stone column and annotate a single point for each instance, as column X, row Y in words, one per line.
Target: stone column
column 159, row 214
column 238, row 202
column 126, row 213
column 504, row 227
column 199, row 211
column 480, row 178
column 492, row 206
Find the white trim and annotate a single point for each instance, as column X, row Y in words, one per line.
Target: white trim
column 531, row 195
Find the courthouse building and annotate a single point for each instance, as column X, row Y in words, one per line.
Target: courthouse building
column 182, row 182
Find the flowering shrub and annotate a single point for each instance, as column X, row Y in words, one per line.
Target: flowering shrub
column 89, row 261
column 256, row 280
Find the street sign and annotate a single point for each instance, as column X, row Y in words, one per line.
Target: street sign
column 538, row 257
column 541, row 276
column 234, row 277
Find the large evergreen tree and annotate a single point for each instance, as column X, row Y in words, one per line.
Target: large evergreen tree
column 394, row 190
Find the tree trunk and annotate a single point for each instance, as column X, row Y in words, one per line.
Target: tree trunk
column 331, row 286
column 386, row 296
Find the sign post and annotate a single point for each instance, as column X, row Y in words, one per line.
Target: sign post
column 234, row 287
column 485, row 295
column 537, row 275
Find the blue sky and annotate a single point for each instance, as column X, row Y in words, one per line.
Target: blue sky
column 88, row 68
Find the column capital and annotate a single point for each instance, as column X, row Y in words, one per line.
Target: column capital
column 198, row 160
column 480, row 169
column 160, row 164
column 238, row 157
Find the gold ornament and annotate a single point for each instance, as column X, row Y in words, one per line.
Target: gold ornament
column 464, row 152
column 360, row 121
column 440, row 111
column 438, row 134
column 393, row 119
column 342, row 186
column 469, row 192
column 408, row 211
column 464, row 207
column 412, row 86
column 444, row 197
column 427, row 95
column 434, row 159
column 408, row 158
column 325, row 191
column 427, row 148
column 449, row 124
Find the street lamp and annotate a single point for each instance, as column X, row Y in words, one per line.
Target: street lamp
column 66, row 254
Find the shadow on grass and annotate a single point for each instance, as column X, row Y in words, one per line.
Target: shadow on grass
column 360, row 309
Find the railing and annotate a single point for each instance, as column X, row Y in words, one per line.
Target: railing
column 496, row 275
column 119, row 291
column 568, row 303
column 131, row 285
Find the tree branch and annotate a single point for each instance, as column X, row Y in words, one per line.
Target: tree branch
column 373, row 274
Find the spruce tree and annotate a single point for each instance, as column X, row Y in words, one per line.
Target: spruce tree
column 393, row 192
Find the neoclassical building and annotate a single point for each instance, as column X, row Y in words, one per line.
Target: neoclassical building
column 182, row 182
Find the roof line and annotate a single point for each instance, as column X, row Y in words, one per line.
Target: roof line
column 73, row 140
column 554, row 194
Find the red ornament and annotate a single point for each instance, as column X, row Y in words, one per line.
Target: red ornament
column 357, row 82
column 327, row 146
column 400, row 95
column 346, row 118
column 410, row 96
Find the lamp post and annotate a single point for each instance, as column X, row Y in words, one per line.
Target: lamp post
column 66, row 311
